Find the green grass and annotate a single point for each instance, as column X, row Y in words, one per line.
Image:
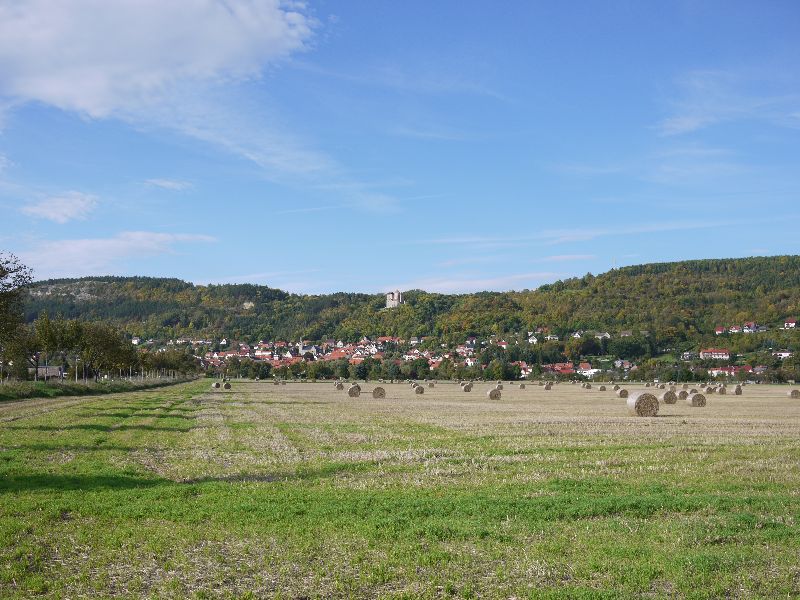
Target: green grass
column 20, row 390
column 300, row 492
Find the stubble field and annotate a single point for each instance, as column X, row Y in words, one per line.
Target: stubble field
column 297, row 491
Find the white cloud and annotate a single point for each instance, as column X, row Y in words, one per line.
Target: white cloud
column 169, row 184
column 188, row 67
column 70, row 206
column 98, row 57
column 100, row 256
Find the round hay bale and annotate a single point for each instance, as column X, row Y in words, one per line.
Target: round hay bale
column 602, row 388
column 283, row 383
column 693, row 391
column 710, row 390
column 276, row 383
column 616, row 387
column 522, row 386
column 467, row 387
column 548, row 386
column 494, row 394
column 215, row 385
column 794, row 394
column 722, row 391
column 227, row 386
column 379, row 392
column 499, row 381
column 668, row 397
column 646, row 385
column 419, row 390
column 430, row 384
column 696, row 400
column 499, row 386
column 588, row 386
column 622, row 393
column 643, row 404
column 354, row 391
column 683, row 395
column 339, row 386
column 737, row 391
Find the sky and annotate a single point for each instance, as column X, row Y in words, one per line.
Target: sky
column 451, row 146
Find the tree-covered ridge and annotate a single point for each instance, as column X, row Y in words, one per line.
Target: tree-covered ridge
column 674, row 301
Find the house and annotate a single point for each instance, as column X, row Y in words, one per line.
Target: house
column 719, row 330
column 715, row 354
column 551, row 337
column 603, row 335
column 749, row 327
column 625, row 334
column 532, row 339
column 577, row 335
column 136, row 341
column 688, row 356
column 783, row 354
column 790, row 324
column 729, row 371
column 735, row 329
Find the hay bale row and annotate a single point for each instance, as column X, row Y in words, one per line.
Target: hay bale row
column 643, row 404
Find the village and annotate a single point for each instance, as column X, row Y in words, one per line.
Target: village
column 536, row 353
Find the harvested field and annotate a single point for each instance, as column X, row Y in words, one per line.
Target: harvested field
column 301, row 491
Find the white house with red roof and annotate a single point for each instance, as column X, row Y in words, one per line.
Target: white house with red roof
column 715, row 354
column 790, row 324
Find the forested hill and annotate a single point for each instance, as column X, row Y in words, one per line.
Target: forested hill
column 675, row 301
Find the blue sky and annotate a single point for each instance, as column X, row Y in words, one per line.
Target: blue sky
column 367, row 146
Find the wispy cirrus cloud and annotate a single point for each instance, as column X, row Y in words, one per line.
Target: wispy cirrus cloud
column 101, row 256
column 175, row 185
column 62, row 208
column 709, row 97
column 547, row 237
column 467, row 283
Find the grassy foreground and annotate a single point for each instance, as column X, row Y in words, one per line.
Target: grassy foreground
column 299, row 491
column 20, row 390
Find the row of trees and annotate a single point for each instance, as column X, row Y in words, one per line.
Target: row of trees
column 78, row 349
